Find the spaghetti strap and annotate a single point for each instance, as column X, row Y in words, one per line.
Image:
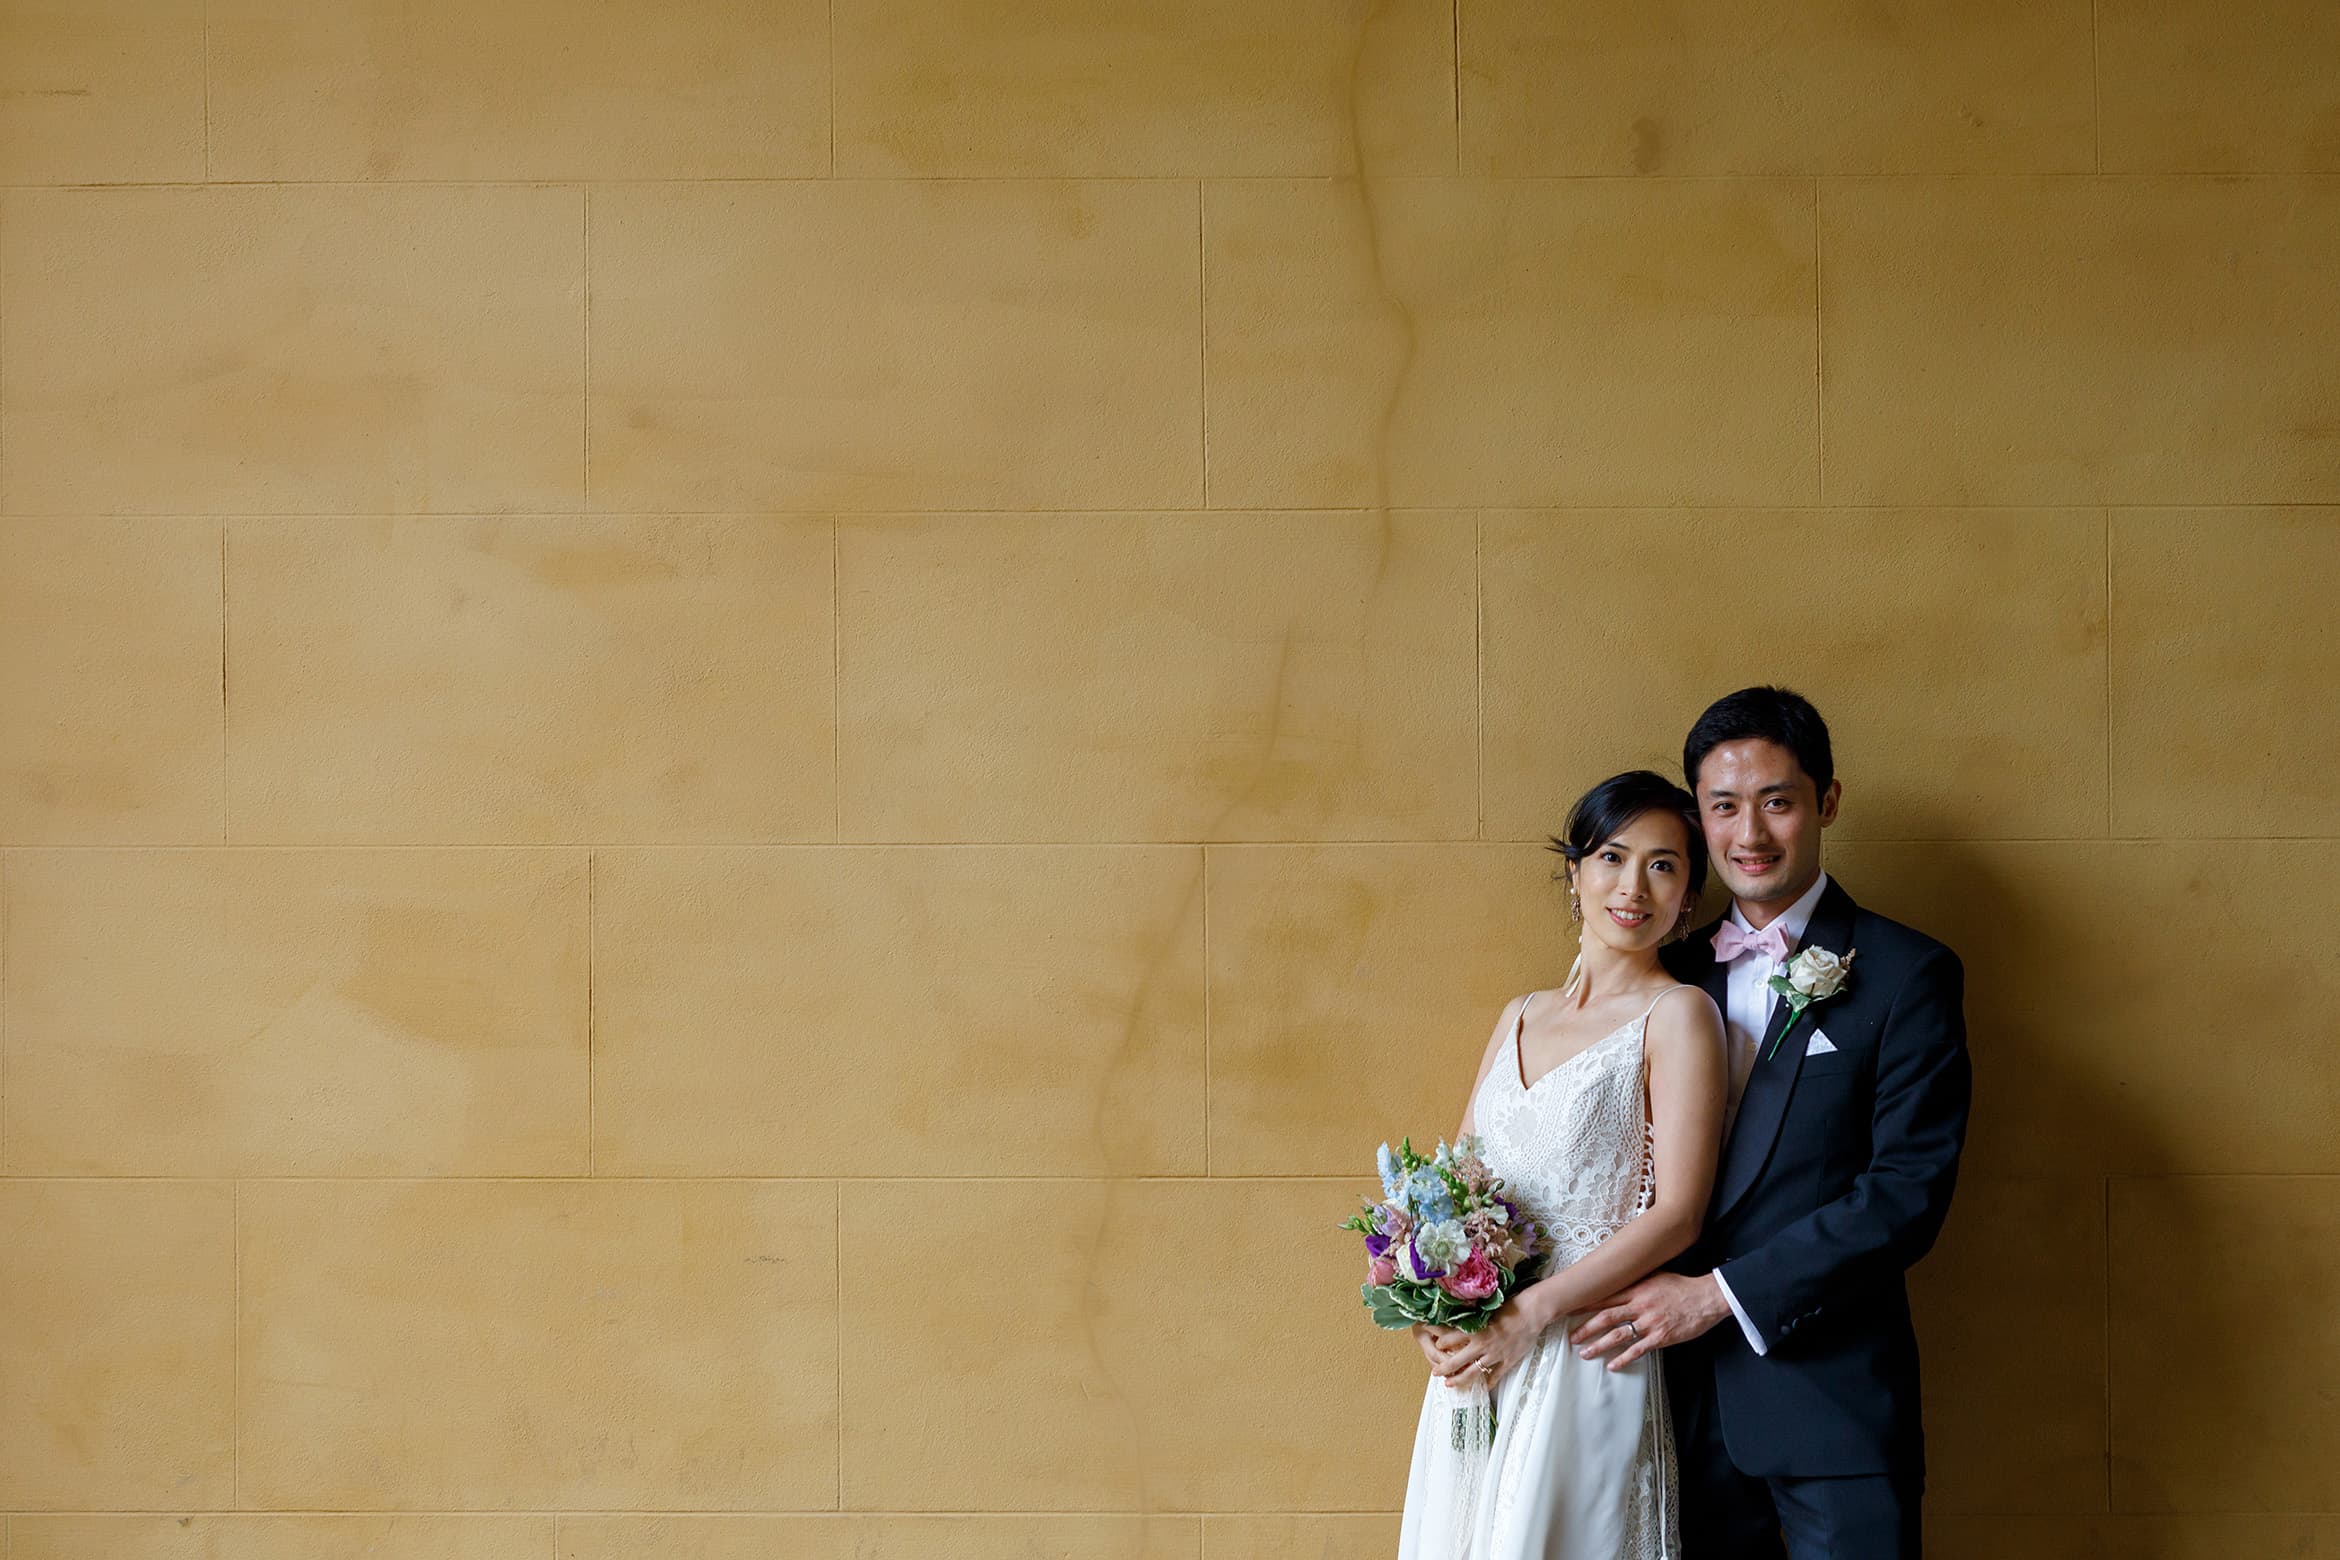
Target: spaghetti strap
column 1660, row 997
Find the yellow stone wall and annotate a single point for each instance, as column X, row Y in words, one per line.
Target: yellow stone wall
column 745, row 744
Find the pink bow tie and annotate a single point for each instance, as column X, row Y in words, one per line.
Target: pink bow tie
column 1734, row 939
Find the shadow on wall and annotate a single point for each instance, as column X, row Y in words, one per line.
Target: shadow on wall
column 2015, row 1303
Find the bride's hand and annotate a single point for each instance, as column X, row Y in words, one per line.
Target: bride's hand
column 1499, row 1345
column 1436, row 1341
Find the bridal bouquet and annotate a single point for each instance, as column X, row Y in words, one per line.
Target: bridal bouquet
column 1447, row 1247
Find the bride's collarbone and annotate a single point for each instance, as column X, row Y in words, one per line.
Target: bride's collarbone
column 1555, row 1038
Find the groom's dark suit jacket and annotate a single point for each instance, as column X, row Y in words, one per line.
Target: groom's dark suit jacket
column 1835, row 1180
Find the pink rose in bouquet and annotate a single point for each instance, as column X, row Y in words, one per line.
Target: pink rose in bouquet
column 1475, row 1279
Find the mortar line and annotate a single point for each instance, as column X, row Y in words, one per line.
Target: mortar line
column 1819, row 365
column 801, row 1513
column 3, row 1029
column 1202, row 319
column 924, row 1513
column 1222, row 1178
column 1313, row 843
column 585, row 344
column 4, row 355
column 2095, row 93
column 1454, row 84
column 2108, row 1380
column 223, row 682
column 236, row 1387
column 1048, row 1178
column 1566, row 506
column 836, row 680
column 2108, row 658
column 592, row 939
column 2256, row 176
column 837, row 1323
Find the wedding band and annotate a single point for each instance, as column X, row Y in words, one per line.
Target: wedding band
column 1629, row 1327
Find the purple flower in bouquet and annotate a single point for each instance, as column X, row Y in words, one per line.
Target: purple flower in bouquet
column 1413, row 1263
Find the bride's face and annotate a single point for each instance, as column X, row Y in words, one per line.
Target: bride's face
column 1632, row 885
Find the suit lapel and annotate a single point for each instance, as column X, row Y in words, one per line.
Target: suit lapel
column 1778, row 1061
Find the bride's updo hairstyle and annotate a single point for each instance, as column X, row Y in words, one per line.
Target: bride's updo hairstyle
column 1608, row 809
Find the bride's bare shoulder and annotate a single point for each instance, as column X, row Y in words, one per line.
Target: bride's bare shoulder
column 1671, row 1008
column 1678, row 1022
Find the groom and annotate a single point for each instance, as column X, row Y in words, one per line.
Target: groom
column 1789, row 1358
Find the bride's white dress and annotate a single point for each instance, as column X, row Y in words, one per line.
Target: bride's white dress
column 1582, row 1464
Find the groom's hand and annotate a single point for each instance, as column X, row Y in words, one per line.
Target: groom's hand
column 1663, row 1308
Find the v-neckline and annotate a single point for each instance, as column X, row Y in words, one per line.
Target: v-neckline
column 1519, row 1055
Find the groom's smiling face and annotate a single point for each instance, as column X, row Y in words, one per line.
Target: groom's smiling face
column 1763, row 818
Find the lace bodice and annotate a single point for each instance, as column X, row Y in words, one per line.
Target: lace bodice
column 1574, row 1147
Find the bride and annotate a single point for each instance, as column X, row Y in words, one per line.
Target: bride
column 1601, row 1106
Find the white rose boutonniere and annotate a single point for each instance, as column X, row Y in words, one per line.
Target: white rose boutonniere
column 1813, row 975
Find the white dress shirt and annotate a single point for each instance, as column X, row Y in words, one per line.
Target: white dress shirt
column 1746, row 1015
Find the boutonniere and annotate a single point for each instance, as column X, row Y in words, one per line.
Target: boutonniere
column 1812, row 976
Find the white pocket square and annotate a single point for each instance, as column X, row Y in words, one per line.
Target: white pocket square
column 1821, row 1045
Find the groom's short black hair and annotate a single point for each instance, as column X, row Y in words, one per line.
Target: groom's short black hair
column 1774, row 714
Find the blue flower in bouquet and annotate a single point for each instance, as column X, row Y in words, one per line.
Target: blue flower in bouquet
column 1427, row 1194
column 1393, row 1178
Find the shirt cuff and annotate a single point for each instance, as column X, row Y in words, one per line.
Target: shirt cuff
column 1754, row 1338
